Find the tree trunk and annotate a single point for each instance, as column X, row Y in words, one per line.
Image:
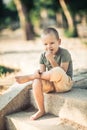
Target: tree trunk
column 25, row 25
column 67, row 15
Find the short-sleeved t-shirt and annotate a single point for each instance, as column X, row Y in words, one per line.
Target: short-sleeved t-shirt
column 61, row 56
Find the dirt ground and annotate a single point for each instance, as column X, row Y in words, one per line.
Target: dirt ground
column 24, row 55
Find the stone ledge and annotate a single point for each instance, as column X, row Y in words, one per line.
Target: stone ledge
column 80, row 80
column 13, row 100
column 71, row 105
column 21, row 121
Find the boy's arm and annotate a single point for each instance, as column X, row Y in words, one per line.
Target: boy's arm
column 63, row 65
column 42, row 68
column 50, row 58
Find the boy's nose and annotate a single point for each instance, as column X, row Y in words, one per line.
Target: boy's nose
column 49, row 46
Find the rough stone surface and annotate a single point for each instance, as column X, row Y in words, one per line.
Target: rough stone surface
column 80, row 80
column 15, row 98
column 71, row 105
column 64, row 105
column 21, row 121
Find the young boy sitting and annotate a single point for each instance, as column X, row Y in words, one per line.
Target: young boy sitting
column 55, row 73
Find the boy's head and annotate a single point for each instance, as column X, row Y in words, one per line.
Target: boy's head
column 51, row 40
column 51, row 31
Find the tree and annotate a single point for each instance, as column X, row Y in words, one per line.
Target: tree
column 1, row 8
column 25, row 24
column 68, row 16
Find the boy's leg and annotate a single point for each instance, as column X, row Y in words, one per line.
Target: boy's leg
column 39, row 86
column 27, row 78
column 61, row 81
column 46, row 75
column 39, row 98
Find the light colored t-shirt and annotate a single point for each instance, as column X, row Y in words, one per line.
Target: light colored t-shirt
column 61, row 56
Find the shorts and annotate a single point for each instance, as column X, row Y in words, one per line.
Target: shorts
column 59, row 81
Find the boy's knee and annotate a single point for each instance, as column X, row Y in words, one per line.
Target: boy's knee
column 56, row 74
column 36, row 82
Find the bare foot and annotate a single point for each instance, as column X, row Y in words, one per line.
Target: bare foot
column 37, row 115
column 27, row 78
column 22, row 79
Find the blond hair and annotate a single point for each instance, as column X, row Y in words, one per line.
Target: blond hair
column 51, row 30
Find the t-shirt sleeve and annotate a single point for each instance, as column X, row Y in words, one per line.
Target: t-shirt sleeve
column 41, row 61
column 65, row 57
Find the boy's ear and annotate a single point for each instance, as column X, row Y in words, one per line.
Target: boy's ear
column 59, row 41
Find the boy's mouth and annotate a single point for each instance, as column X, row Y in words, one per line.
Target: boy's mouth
column 51, row 50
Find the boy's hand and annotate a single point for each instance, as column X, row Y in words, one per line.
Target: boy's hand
column 51, row 59
column 37, row 74
column 49, row 55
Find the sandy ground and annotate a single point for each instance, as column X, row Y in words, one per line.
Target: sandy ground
column 17, row 53
column 24, row 55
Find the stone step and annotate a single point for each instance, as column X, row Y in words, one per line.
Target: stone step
column 21, row 121
column 64, row 105
column 13, row 100
column 80, row 80
column 71, row 105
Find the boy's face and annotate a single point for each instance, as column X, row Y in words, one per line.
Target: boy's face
column 51, row 43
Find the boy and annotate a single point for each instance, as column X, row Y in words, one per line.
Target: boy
column 55, row 72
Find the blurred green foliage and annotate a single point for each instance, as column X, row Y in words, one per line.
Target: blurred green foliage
column 9, row 15
column 4, row 70
column 67, row 33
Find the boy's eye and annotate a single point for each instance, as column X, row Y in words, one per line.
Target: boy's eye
column 52, row 43
column 48, row 44
column 45, row 44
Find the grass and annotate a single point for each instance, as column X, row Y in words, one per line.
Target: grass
column 5, row 70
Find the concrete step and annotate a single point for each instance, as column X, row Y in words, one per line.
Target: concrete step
column 21, row 121
column 13, row 100
column 80, row 80
column 71, row 105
